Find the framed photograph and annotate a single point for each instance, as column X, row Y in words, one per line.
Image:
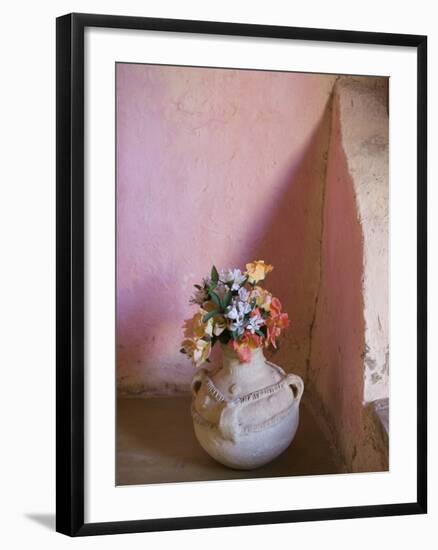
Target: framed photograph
column 241, row 274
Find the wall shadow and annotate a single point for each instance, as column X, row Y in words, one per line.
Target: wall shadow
column 291, row 242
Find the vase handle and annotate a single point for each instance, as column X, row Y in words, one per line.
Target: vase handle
column 228, row 421
column 296, row 382
column 197, row 382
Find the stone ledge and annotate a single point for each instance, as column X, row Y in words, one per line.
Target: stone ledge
column 381, row 408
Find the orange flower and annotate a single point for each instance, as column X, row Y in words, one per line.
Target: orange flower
column 276, row 322
column 243, row 352
column 247, row 343
column 275, row 308
column 252, row 340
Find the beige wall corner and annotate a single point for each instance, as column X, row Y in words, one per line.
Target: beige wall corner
column 348, row 360
column 363, row 118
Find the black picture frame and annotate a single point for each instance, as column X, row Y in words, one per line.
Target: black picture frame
column 70, row 273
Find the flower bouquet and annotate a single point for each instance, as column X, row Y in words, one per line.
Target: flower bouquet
column 236, row 311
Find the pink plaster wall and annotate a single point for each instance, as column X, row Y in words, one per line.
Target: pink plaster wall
column 336, row 369
column 213, row 166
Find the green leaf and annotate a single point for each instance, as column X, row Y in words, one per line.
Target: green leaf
column 209, row 315
column 227, row 299
column 215, row 298
column 214, row 274
column 259, row 332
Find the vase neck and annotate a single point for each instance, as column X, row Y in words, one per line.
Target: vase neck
column 231, row 360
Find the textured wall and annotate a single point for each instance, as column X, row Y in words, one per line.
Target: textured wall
column 363, row 114
column 218, row 166
column 353, row 279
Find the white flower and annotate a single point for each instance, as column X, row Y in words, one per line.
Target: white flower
column 224, row 274
column 233, row 276
column 237, row 328
column 236, row 313
column 237, row 310
column 254, row 323
column 243, row 294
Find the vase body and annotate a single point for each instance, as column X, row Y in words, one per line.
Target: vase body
column 245, row 414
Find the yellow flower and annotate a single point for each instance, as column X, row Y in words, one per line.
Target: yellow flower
column 257, row 271
column 219, row 325
column 197, row 349
column 196, row 328
column 262, row 297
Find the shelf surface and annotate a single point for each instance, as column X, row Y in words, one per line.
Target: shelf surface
column 156, row 444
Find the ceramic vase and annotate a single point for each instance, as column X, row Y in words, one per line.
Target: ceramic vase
column 245, row 414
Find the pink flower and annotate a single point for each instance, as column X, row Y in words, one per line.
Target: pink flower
column 276, row 322
column 243, row 351
column 275, row 307
column 247, row 343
